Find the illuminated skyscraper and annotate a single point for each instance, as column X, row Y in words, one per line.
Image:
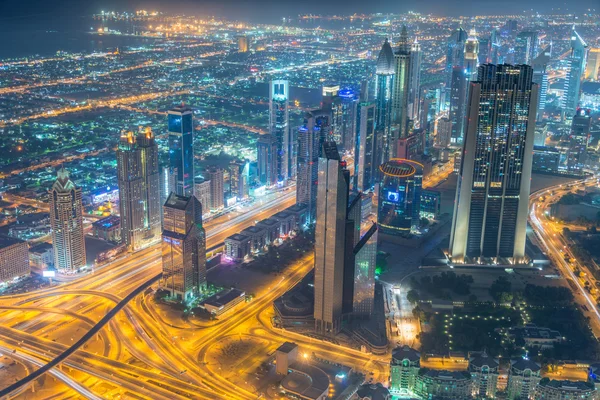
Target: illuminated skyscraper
column 592, row 68
column 217, row 187
column 139, row 192
column 330, row 241
column 400, row 94
column 384, row 85
column 280, row 130
column 181, row 151
column 267, row 159
column 365, row 254
column 540, row 77
column 414, row 96
column 365, row 152
column 526, row 47
column 183, row 247
column 309, row 138
column 243, row 44
column 66, row 219
column 349, row 103
column 581, row 127
column 455, row 53
column 577, row 61
column 492, row 195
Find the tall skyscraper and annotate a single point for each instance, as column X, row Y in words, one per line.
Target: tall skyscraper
column 181, row 151
column 494, row 46
column 540, row 77
column 217, row 187
column 471, row 56
column 592, row 68
column 400, row 94
column 183, row 247
column 243, row 44
column 365, row 152
column 365, row 254
column 238, row 179
column 349, row 104
column 577, row 61
column 330, row 241
column 383, row 93
column 279, row 128
column 66, row 219
column 267, row 155
column 492, row 195
column 309, row 136
column 414, row 95
column 526, row 47
column 581, row 127
column 139, row 190
column 455, row 52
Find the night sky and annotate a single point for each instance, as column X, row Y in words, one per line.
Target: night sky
column 273, row 10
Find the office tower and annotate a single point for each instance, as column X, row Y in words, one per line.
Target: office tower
column 455, row 52
column 592, row 68
column 526, row 47
column 490, row 209
column 399, row 196
column 404, row 368
column 458, row 98
column 541, row 133
column 577, row 61
column 267, row 156
column 581, row 127
column 523, row 378
column 331, row 107
column 471, row 56
column 238, row 179
column 365, row 152
column 139, row 197
column 181, row 150
column 349, row 104
column 540, row 77
column 243, row 44
column 443, row 132
column 485, row 51
column 183, row 247
column 279, row 128
column 383, row 94
column 66, row 219
column 400, row 94
column 365, row 254
column 309, row 135
column 494, row 46
column 14, row 259
column 330, row 241
column 217, row 192
column 414, row 94
column 202, row 193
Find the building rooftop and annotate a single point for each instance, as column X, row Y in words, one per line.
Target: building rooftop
column 176, row 201
column 6, row 241
column 107, row 222
column 180, row 109
column 481, row 359
column 572, row 386
column 373, row 392
column 306, row 380
column 238, row 237
column 224, row 297
column 287, row 347
column 253, row 230
column 522, row 364
column 445, row 375
column 385, row 60
column 405, row 353
column 269, row 222
column 401, row 168
column 41, row 248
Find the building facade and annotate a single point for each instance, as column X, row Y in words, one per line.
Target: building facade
column 309, row 135
column 576, row 68
column 491, row 204
column 365, row 150
column 383, row 94
column 267, row 160
column 404, row 368
column 217, row 188
column 181, row 151
column 14, row 259
column 280, row 130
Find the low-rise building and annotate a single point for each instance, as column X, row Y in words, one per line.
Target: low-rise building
column 257, row 237
column 108, row 229
column 14, row 259
column 544, row 338
column 436, row 384
column 306, row 382
column 523, row 378
column 548, row 389
column 484, row 373
column 41, row 257
column 285, row 356
column 372, row 391
column 404, row 369
column 287, row 222
column 271, row 228
column 224, row 301
column 237, row 247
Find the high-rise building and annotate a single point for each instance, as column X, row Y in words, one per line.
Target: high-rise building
column 365, row 254
column 14, row 259
column 526, row 47
column 330, row 241
column 202, row 193
column 309, row 136
column 581, row 127
column 181, row 150
column 443, row 132
column 139, row 192
column 280, row 130
column 365, row 151
column 383, row 93
column 455, row 52
column 494, row 46
column 217, row 183
column 485, row 51
column 592, row 68
column 331, row 108
column 400, row 94
column 576, row 67
column 540, row 77
column 183, row 247
column 238, row 179
column 349, row 105
column 404, row 369
column 399, row 196
column 471, row 56
column 243, row 44
column 490, row 210
column 267, row 156
column 66, row 219
column 414, row 94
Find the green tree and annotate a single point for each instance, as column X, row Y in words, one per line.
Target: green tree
column 412, row 296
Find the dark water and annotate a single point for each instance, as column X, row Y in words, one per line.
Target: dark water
column 45, row 37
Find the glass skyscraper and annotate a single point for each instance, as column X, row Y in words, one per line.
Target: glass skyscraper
column 492, row 195
column 383, row 106
column 577, row 60
column 365, row 151
column 181, row 151
column 309, row 137
column 400, row 94
column 280, row 130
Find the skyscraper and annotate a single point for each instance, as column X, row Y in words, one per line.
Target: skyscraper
column 217, row 184
column 414, row 95
column 267, row 156
column 279, row 128
column 309, row 135
column 183, row 247
column 454, row 54
column 365, row 254
column 581, row 127
column 349, row 104
column 181, row 150
column 330, row 241
column 526, row 47
column 384, row 85
column 592, row 68
column 540, row 77
column 400, row 94
column 139, row 192
column 365, row 152
column 492, row 195
column 577, row 61
column 66, row 219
